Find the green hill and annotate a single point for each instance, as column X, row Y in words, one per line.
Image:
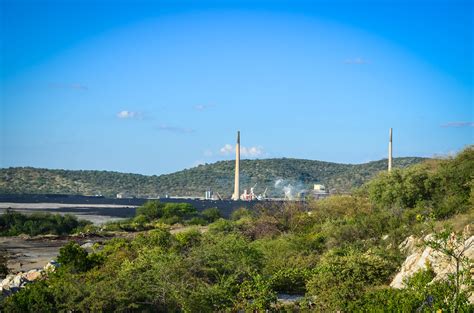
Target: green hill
column 218, row 176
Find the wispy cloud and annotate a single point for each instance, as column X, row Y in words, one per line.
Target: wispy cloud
column 458, row 124
column 357, row 60
column 175, row 129
column 128, row 114
column 202, row 107
column 253, row 152
column 69, row 86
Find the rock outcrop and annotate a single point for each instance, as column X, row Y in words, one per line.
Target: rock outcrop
column 14, row 282
column 420, row 256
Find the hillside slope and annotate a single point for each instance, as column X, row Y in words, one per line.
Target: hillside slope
column 193, row 182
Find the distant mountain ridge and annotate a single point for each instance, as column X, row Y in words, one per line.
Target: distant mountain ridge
column 274, row 174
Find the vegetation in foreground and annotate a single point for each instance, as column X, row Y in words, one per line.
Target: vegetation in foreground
column 193, row 182
column 340, row 254
column 14, row 223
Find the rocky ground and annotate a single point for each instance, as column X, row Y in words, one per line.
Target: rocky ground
column 420, row 256
column 25, row 253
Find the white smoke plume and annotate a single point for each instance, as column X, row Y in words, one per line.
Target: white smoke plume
column 290, row 190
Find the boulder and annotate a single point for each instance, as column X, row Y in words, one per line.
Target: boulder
column 6, row 282
column 51, row 266
column 33, row 275
column 419, row 257
column 410, row 245
column 87, row 245
column 18, row 281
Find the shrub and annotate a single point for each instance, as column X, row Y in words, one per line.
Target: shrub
column 197, row 221
column 188, row 239
column 13, row 223
column 256, row 294
column 290, row 280
column 341, row 279
column 211, row 214
column 76, row 259
column 240, row 213
column 151, row 210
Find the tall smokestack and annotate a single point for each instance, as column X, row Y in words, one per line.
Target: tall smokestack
column 390, row 152
column 236, row 195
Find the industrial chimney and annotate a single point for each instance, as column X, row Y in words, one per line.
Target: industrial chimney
column 236, row 195
column 390, row 151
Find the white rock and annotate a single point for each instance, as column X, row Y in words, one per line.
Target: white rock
column 419, row 258
column 51, row 266
column 18, row 281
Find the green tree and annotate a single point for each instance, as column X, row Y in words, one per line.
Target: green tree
column 76, row 259
column 151, row 209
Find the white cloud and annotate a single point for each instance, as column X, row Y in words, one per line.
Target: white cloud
column 458, row 124
column 227, row 149
column 254, row 151
column 251, row 151
column 127, row 114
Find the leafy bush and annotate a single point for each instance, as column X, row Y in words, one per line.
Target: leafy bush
column 211, row 214
column 420, row 295
column 240, row 213
column 290, row 280
column 151, row 210
column 256, row 294
column 341, row 279
column 13, row 223
column 76, row 259
column 169, row 213
column 443, row 186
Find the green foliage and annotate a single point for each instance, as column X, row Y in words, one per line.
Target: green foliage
column 443, row 187
column 186, row 240
column 240, row 213
column 453, row 247
column 291, row 280
column 211, row 214
column 13, row 223
column 151, row 210
column 222, row 226
column 193, row 182
column 420, row 295
column 197, row 221
column 256, row 294
column 76, row 259
column 33, row 298
column 169, row 213
column 155, row 238
column 340, row 279
column 340, row 253
column 226, row 255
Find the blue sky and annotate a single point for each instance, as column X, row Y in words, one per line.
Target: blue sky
column 157, row 86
